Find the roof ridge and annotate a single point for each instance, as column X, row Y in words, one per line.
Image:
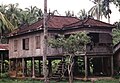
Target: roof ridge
column 102, row 21
column 64, row 16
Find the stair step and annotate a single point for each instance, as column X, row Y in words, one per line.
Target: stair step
column 55, row 78
column 58, row 74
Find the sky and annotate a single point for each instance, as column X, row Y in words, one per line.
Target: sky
column 63, row 5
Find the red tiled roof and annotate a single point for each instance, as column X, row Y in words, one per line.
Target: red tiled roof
column 92, row 23
column 59, row 22
column 55, row 22
column 4, row 47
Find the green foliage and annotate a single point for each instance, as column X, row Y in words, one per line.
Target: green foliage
column 18, row 16
column 116, row 36
column 83, row 14
column 7, row 80
column 55, row 65
column 4, row 75
column 72, row 44
column 116, row 33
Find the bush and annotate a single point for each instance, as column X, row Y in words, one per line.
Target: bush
column 5, row 75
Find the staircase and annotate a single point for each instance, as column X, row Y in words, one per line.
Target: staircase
column 59, row 74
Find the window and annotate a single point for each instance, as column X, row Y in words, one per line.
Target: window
column 26, row 44
column 37, row 38
column 94, row 37
column 15, row 45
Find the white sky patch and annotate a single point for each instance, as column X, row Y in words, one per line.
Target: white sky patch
column 63, row 5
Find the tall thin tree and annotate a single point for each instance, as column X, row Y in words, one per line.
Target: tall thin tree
column 45, row 43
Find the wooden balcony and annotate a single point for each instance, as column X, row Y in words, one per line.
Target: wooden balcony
column 99, row 49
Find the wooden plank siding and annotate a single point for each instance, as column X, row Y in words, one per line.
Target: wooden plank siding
column 32, row 51
column 17, row 51
column 104, row 38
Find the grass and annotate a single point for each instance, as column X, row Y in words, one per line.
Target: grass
column 8, row 80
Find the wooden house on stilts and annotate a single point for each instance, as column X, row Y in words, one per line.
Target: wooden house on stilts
column 26, row 48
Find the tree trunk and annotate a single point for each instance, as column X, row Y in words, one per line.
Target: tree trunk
column 70, row 69
column 45, row 73
column 70, row 76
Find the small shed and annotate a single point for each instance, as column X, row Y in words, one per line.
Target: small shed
column 4, row 58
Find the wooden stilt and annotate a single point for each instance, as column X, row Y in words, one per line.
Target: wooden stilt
column 1, row 63
column 86, row 73
column 39, row 68
column 33, row 67
column 50, row 67
column 102, row 64
column 23, row 67
column 16, row 64
column 112, row 65
column 9, row 64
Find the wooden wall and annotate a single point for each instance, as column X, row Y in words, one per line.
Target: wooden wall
column 33, row 52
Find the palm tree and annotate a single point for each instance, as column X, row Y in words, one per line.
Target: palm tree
column 96, row 10
column 69, row 13
column 5, row 26
column 101, row 8
column 106, row 9
column 34, row 14
column 3, row 9
column 83, row 14
column 13, row 14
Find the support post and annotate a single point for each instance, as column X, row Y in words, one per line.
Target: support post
column 23, row 67
column 16, row 65
column 112, row 65
column 50, row 67
column 86, row 73
column 9, row 64
column 33, row 67
column 1, row 63
column 39, row 68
